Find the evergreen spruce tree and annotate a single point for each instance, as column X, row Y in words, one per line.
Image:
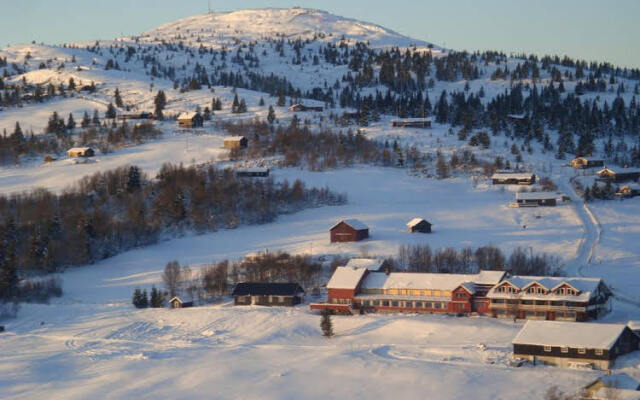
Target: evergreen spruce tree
column 111, row 112
column 157, row 297
column 96, row 118
column 134, row 180
column 271, row 116
column 86, row 121
column 71, row 123
column 160, row 102
column 235, row 106
column 117, row 99
column 281, row 100
column 587, row 194
column 326, row 325
column 261, row 103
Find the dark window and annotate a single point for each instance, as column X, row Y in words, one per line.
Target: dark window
column 394, row 304
column 527, row 302
column 557, row 303
column 385, row 303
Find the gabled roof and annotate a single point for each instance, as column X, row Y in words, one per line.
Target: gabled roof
column 352, row 222
column 346, row 278
column 371, row 264
column 187, row 115
column 266, row 289
column 416, row 221
column 570, row 334
column 487, row 277
column 79, row 149
column 176, row 298
column 469, row 287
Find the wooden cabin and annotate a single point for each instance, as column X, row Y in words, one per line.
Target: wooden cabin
column 537, row 199
column 81, row 152
column 628, row 191
column 583, row 163
column 141, row 115
column 513, row 178
column 302, row 107
column 189, row 120
column 267, row 294
column 253, row 172
column 235, row 142
column 565, row 344
column 355, row 290
column 420, row 225
column 549, row 298
column 176, row 302
column 348, row 230
column 412, row 123
column 517, row 118
column 621, row 175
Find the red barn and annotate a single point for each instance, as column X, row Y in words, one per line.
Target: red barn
column 349, row 230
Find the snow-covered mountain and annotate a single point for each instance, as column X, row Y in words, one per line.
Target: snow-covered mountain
column 288, row 23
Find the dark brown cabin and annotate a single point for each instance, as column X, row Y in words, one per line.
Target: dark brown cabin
column 349, row 230
column 419, row 225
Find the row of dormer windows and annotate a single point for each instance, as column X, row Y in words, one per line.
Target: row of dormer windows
column 537, row 290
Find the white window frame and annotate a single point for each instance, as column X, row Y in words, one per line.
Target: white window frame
column 564, row 349
column 547, row 349
column 599, row 352
column 582, row 350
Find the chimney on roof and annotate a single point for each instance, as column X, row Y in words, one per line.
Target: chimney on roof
column 387, row 270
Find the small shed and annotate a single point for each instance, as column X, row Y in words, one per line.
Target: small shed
column 190, row 120
column 535, row 199
column 349, row 230
column 412, row 123
column 235, row 142
column 176, row 302
column 517, row 117
column 81, row 152
column 420, row 225
column 267, row 294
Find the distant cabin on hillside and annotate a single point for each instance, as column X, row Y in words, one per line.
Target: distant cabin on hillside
column 188, row 120
column 630, row 190
column 536, row 199
column 513, row 178
column 81, row 152
column 621, row 175
column 584, row 162
column 267, row 294
column 176, row 302
column 140, row 115
column 517, row 117
column 349, row 230
column 412, row 123
column 574, row 344
column 253, row 172
column 301, row 107
column 235, row 142
column 420, row 225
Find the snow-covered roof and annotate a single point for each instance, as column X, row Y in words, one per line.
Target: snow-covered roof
column 346, row 278
column 233, row 138
column 570, row 334
column 415, row 222
column 537, row 195
column 187, row 115
column 79, row 149
column 416, row 280
column 352, row 222
column 427, row 119
column 517, row 116
column 372, row 264
column 486, row 277
column 512, row 175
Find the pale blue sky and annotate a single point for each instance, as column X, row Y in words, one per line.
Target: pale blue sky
column 588, row 29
